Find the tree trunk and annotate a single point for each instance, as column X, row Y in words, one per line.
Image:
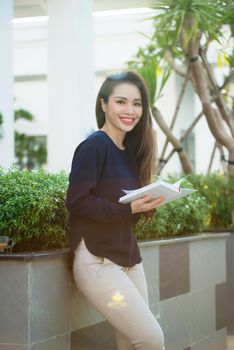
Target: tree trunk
column 185, row 162
column 213, row 116
column 175, row 115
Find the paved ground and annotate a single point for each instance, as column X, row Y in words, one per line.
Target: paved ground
column 230, row 342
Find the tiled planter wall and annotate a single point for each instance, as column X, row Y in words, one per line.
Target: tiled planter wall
column 35, row 302
column 40, row 308
column 230, row 282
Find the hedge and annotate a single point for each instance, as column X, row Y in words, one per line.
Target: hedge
column 32, row 209
column 218, row 189
column 33, row 212
column 188, row 215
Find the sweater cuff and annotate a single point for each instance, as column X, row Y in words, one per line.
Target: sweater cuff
column 126, row 211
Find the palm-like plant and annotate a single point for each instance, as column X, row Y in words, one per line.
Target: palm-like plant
column 185, row 30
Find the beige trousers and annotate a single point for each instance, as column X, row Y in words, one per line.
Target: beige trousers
column 120, row 295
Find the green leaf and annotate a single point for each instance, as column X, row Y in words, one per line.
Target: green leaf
column 23, row 114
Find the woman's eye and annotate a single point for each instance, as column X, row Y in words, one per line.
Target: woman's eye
column 138, row 104
column 120, row 102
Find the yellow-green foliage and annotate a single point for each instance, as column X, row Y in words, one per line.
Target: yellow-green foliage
column 181, row 217
column 219, row 193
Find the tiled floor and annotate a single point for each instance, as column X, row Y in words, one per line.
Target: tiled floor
column 230, row 342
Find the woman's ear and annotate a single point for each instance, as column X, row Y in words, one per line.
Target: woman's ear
column 103, row 104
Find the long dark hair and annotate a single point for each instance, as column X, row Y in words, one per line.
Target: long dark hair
column 140, row 141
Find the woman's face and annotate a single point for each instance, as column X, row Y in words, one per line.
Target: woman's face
column 124, row 108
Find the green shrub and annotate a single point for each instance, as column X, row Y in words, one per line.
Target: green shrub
column 32, row 209
column 219, row 193
column 181, row 217
column 33, row 212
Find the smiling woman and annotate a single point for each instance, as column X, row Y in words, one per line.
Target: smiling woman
column 118, row 155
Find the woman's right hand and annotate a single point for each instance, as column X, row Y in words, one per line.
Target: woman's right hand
column 145, row 204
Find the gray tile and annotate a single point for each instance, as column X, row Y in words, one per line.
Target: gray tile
column 203, row 323
column 56, row 343
column 174, row 270
column 230, row 282
column 205, row 344
column 83, row 313
column 220, row 339
column 96, row 337
column 175, row 322
column 150, row 257
column 221, row 305
column 49, row 299
column 216, row 341
column 207, row 263
column 230, row 342
column 14, row 302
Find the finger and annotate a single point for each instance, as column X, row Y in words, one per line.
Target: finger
column 151, row 199
column 154, row 204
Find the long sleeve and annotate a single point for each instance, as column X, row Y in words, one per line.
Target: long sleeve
column 86, row 171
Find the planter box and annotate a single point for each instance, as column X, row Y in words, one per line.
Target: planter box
column 41, row 308
column 35, row 299
column 230, row 282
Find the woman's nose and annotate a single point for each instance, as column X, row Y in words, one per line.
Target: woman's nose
column 129, row 108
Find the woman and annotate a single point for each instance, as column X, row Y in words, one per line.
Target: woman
column 107, row 266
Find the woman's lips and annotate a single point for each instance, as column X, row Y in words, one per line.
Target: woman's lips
column 127, row 121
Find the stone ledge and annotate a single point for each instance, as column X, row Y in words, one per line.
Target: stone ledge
column 29, row 256
column 183, row 239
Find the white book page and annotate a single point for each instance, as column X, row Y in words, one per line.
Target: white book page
column 154, row 185
column 155, row 190
column 183, row 193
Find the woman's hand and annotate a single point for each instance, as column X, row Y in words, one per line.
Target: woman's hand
column 145, row 204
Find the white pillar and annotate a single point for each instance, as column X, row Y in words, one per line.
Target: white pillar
column 6, row 83
column 70, row 79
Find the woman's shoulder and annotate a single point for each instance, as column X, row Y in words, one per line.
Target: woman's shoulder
column 97, row 137
column 95, row 141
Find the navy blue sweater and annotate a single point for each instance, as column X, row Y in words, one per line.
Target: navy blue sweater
column 100, row 170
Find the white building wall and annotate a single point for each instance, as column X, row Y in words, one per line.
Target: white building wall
column 70, row 79
column 32, row 95
column 116, row 39
column 30, row 48
column 30, row 71
column 6, row 83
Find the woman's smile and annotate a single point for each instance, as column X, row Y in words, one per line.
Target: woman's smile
column 127, row 120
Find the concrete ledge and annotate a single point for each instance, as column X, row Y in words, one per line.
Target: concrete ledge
column 35, row 255
column 198, row 237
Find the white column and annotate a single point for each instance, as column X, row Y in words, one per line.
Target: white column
column 70, row 79
column 6, row 83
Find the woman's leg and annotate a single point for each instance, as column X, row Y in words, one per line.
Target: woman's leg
column 137, row 276
column 101, row 280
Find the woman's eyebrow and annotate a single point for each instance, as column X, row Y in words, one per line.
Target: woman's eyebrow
column 125, row 98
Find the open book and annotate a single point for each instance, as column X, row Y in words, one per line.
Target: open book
column 157, row 189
